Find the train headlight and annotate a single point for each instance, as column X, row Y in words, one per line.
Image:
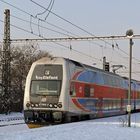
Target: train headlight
column 55, row 105
column 36, row 105
column 32, row 105
column 59, row 105
column 28, row 105
column 50, row 105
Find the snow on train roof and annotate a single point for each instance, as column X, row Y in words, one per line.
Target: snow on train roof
column 46, row 60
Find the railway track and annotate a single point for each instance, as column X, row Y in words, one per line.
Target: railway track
column 11, row 121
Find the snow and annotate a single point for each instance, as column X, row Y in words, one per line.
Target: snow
column 111, row 128
column 9, row 119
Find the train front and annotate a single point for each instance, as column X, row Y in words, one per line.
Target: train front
column 42, row 102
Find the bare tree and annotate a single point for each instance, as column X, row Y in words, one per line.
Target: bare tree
column 21, row 59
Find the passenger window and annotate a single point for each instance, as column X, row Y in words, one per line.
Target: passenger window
column 91, row 91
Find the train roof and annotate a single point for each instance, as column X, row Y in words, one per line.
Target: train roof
column 43, row 60
column 79, row 64
column 90, row 67
column 97, row 69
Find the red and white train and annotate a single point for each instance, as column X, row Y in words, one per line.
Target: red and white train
column 60, row 89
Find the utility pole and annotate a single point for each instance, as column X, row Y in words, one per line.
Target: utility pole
column 6, row 78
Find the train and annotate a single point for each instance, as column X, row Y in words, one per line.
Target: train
column 59, row 89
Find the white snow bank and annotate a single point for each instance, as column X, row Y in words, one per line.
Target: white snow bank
column 99, row 129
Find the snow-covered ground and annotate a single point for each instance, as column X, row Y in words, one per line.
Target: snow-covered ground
column 111, row 128
column 10, row 119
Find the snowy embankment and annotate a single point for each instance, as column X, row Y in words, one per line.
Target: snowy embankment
column 113, row 128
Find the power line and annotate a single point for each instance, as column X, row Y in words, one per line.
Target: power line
column 37, row 18
column 135, row 72
column 60, row 39
column 75, row 25
column 81, row 39
column 53, row 41
column 57, row 26
column 62, row 28
column 48, row 8
column 39, row 25
column 68, row 21
column 51, row 23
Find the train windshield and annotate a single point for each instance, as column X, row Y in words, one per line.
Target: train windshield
column 46, row 87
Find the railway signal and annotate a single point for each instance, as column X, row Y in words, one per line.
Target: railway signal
column 105, row 64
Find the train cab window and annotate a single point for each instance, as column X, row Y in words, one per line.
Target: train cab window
column 87, row 90
column 46, row 87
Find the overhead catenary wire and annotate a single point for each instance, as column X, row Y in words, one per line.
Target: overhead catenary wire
column 69, row 21
column 70, row 37
column 32, row 23
column 29, row 14
column 80, row 52
column 78, row 27
column 60, row 39
column 66, row 21
column 62, row 19
column 48, row 8
column 53, row 41
column 82, row 39
column 51, row 23
column 67, row 47
column 134, row 73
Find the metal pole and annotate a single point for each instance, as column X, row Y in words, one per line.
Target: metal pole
column 129, row 34
column 104, row 61
column 129, row 92
column 6, row 82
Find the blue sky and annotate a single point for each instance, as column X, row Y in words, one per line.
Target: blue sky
column 99, row 17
